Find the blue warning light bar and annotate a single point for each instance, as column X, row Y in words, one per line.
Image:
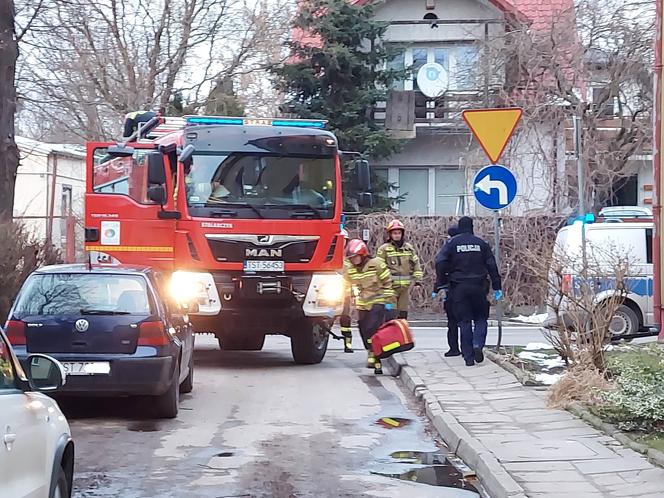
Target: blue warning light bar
column 292, row 123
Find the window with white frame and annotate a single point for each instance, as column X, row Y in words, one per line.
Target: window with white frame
column 459, row 60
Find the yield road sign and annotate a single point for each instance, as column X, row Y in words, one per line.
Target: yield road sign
column 493, row 128
column 494, row 187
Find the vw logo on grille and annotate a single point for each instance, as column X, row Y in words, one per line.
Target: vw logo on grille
column 82, row 325
column 264, row 239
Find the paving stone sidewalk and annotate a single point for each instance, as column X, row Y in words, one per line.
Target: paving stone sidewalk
column 549, row 453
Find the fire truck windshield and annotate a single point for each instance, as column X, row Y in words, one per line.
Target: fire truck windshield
column 248, row 185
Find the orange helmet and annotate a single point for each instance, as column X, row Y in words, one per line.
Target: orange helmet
column 356, row 247
column 395, row 225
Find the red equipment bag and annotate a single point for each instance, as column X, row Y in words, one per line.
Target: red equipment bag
column 392, row 337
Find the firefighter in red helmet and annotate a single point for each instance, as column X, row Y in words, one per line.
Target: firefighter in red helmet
column 371, row 284
column 404, row 265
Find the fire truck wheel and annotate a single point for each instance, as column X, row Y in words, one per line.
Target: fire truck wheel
column 309, row 341
column 242, row 343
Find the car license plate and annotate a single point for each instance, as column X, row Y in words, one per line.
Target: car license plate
column 263, row 266
column 86, row 367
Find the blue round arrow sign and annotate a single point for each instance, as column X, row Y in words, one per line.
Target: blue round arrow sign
column 494, row 187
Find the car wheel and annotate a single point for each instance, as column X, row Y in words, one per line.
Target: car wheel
column 188, row 383
column 624, row 322
column 61, row 486
column 242, row 342
column 167, row 405
column 309, row 340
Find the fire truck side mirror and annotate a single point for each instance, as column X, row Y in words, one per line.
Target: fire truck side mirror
column 363, row 175
column 365, row 200
column 186, row 155
column 156, row 171
column 157, row 194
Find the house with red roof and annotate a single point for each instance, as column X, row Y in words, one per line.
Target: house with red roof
column 435, row 169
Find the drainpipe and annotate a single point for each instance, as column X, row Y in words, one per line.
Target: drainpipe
column 658, row 191
column 51, row 207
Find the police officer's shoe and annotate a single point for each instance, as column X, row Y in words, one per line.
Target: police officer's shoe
column 470, row 363
column 479, row 355
column 452, row 353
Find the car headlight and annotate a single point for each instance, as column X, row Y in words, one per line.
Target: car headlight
column 187, row 287
column 331, row 292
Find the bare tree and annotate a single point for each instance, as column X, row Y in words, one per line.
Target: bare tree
column 93, row 61
column 594, row 63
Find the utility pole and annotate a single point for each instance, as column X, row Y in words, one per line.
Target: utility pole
column 581, row 182
column 658, row 240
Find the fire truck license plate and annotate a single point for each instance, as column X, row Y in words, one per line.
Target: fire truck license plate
column 264, row 266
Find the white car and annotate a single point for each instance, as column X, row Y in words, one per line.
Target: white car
column 36, row 448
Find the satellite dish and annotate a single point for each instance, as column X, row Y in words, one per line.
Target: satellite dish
column 433, row 79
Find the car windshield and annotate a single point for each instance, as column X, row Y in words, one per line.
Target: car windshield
column 261, row 186
column 76, row 294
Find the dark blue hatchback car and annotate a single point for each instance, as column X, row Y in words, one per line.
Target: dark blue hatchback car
column 114, row 329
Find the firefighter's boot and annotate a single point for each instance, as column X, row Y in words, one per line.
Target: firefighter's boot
column 371, row 360
column 378, row 369
column 348, row 341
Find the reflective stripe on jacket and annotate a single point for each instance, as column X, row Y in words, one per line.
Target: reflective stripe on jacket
column 403, row 263
column 371, row 283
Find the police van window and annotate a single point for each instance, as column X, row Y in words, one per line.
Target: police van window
column 121, row 175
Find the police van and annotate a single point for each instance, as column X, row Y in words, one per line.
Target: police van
column 627, row 231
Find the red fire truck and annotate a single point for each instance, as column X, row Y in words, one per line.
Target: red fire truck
column 243, row 214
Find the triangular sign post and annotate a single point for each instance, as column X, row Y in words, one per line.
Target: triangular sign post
column 493, row 128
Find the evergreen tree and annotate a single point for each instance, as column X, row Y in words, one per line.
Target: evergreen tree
column 337, row 71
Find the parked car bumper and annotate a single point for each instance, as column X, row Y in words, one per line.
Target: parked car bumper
column 128, row 376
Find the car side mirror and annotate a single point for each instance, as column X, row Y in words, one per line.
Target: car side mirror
column 363, row 175
column 157, row 194
column 365, row 200
column 45, row 374
column 120, row 150
column 186, row 155
column 156, row 170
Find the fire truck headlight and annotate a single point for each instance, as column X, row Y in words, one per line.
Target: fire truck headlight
column 331, row 291
column 187, row 287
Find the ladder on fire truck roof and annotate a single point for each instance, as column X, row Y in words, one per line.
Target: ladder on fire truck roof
column 173, row 124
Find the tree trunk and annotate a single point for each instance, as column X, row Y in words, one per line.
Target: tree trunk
column 8, row 150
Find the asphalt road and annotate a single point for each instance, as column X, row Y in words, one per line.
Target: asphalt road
column 258, row 425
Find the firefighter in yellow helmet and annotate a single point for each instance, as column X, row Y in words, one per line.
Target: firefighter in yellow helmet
column 404, row 265
column 371, row 284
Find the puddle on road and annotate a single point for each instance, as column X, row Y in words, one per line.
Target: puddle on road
column 393, row 422
column 144, row 426
column 433, row 469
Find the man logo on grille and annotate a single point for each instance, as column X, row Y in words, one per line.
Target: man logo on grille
column 264, row 239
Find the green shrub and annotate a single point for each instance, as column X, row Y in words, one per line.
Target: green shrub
column 638, row 401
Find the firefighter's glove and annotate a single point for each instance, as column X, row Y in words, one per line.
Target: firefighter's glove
column 389, row 307
column 498, row 295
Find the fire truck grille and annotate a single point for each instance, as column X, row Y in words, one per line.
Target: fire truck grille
column 236, row 249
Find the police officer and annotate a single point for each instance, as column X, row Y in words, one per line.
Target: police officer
column 442, row 285
column 468, row 260
column 371, row 284
column 404, row 265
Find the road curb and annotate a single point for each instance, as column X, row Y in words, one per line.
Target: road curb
column 491, row 323
column 522, row 376
column 494, row 478
column 654, row 456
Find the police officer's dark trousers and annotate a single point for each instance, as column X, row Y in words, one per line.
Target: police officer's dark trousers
column 471, row 309
column 369, row 321
column 452, row 326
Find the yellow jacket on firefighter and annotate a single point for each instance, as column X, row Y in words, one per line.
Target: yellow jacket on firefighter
column 370, row 283
column 403, row 263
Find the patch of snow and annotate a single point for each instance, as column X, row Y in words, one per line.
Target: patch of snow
column 537, row 357
column 534, row 319
column 548, row 379
column 546, row 361
column 534, row 346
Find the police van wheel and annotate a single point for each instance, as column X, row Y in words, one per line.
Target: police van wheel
column 309, row 340
column 624, row 322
